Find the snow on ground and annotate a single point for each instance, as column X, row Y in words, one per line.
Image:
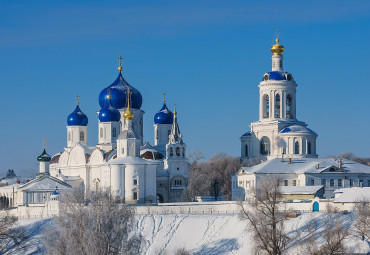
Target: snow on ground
column 205, row 234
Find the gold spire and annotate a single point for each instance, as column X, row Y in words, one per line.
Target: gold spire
column 109, row 94
column 77, row 96
column 164, row 97
column 174, row 112
column 44, row 139
column 128, row 114
column 277, row 49
column 120, row 64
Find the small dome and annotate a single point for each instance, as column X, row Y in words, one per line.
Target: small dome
column 55, row 193
column 118, row 95
column 277, row 49
column 109, row 113
column 277, row 76
column 164, row 116
column 44, row 157
column 297, row 129
column 77, row 118
column 151, row 154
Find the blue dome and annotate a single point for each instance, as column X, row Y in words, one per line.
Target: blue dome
column 109, row 114
column 164, row 116
column 77, row 118
column 118, row 95
column 278, row 76
column 55, row 192
column 297, row 129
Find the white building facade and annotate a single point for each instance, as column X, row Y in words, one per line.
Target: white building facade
column 133, row 171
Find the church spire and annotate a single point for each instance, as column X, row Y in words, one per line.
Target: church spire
column 175, row 136
column 128, row 114
column 120, row 64
column 277, row 57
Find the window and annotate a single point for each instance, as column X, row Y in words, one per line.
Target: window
column 368, row 183
column 135, row 181
column 82, row 136
column 294, row 183
column 312, row 182
column 135, row 195
column 178, row 151
column 285, row 182
column 69, row 136
column 171, row 151
column 266, row 106
column 331, row 182
column 123, row 151
column 361, row 184
column 156, row 134
column 309, row 148
column 296, row 147
column 289, row 100
column 265, row 146
column 350, row 182
column 101, row 132
column 114, row 132
column 246, row 150
column 340, row 183
column 177, row 183
column 323, row 182
column 183, row 152
column 277, row 106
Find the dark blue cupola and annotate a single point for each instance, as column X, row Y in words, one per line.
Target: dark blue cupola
column 77, row 117
column 109, row 113
column 164, row 116
column 118, row 93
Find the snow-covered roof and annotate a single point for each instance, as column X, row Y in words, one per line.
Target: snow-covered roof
column 297, row 129
column 306, row 165
column 350, row 195
column 286, row 190
column 44, row 183
column 132, row 161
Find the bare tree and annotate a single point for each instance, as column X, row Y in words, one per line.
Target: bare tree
column 12, row 237
column 92, row 224
column 266, row 218
column 362, row 221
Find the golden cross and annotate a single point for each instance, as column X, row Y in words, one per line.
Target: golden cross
column 44, row 139
column 120, row 63
column 277, row 33
column 164, row 97
column 77, row 99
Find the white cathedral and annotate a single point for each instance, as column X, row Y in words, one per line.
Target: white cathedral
column 133, row 171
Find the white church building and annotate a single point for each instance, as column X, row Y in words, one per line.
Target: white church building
column 135, row 172
column 287, row 145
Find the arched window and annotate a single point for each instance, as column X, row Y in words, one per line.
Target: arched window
column 289, row 102
column 266, row 106
column 114, row 132
column 101, row 132
column 296, row 147
column 183, row 152
column 69, row 136
column 277, row 106
column 309, row 148
column 156, row 134
column 331, row 182
column 246, row 150
column 123, row 151
column 178, row 151
column 171, row 151
column 265, row 146
column 82, row 136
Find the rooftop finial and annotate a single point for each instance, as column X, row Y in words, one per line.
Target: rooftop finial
column 44, row 139
column 120, row 63
column 77, row 96
column 128, row 114
column 164, row 97
column 108, row 93
column 277, row 49
column 174, row 112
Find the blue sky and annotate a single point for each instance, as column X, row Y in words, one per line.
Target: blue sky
column 208, row 56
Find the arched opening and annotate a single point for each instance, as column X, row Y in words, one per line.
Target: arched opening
column 277, row 106
column 246, row 150
column 183, row 152
column 296, row 147
column 178, row 151
column 101, row 132
column 82, row 136
column 309, row 148
column 289, row 102
column 266, row 106
column 265, row 146
column 171, row 151
column 114, row 132
column 160, row 198
column 315, row 207
column 331, row 182
column 69, row 136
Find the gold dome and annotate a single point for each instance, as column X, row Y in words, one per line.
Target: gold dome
column 128, row 114
column 277, row 49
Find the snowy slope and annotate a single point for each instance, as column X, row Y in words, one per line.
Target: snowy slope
column 206, row 234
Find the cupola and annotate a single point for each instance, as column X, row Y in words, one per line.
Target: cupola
column 164, row 116
column 77, row 117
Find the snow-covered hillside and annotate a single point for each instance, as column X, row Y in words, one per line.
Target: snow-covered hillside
column 204, row 234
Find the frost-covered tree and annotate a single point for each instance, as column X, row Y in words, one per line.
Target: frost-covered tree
column 266, row 218
column 362, row 221
column 92, row 224
column 12, row 237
